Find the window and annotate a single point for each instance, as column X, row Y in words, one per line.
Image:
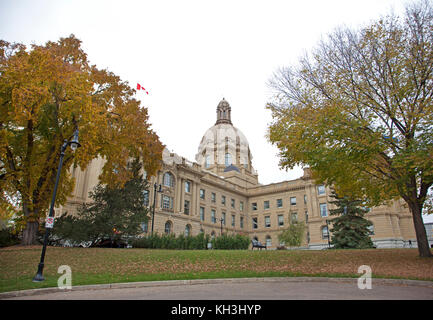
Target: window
column 267, row 221
column 186, row 207
column 202, row 193
column 213, row 197
column 223, row 216
column 168, row 179
column 228, row 159
column 207, row 162
column 146, row 198
column 268, row 241
column 323, row 210
column 233, row 203
column 293, row 201
column 187, row 230
column 187, row 186
column 294, row 217
column 325, row 232
column 266, row 205
column 306, row 216
column 241, row 206
column 233, row 220
column 255, row 224
column 254, row 206
column 201, row 213
column 242, row 222
column 371, row 230
column 280, row 220
column 145, row 227
column 320, row 190
column 167, row 227
column 223, row 200
column 166, row 202
column 279, row 203
column 305, row 199
column 212, row 216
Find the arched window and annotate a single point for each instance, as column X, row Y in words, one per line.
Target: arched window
column 325, row 232
column 167, row 228
column 168, row 180
column 207, row 161
column 187, row 230
column 228, row 159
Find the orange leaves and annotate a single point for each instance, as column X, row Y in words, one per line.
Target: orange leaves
column 45, row 94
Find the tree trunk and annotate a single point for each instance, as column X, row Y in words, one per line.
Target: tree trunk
column 30, row 233
column 421, row 235
column 32, row 226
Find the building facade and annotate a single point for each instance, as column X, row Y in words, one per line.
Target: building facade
column 220, row 193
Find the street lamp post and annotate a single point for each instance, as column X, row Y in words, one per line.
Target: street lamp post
column 49, row 223
column 155, row 186
column 221, row 219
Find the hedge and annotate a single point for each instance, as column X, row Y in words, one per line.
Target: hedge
column 198, row 242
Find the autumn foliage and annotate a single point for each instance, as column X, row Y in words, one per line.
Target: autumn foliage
column 46, row 92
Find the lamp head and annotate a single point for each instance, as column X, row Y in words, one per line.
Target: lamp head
column 74, row 142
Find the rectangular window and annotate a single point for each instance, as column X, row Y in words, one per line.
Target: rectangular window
column 293, row 201
column 306, row 216
column 233, row 203
column 241, row 206
column 280, row 220
column 187, row 186
column 323, row 210
column 166, row 202
column 305, row 199
column 325, row 232
column 213, row 197
column 255, row 224
column 186, row 207
column 212, row 216
column 223, row 200
column 294, row 217
column 224, row 218
column 242, row 222
column 201, row 213
column 279, row 203
column 267, row 221
column 146, row 198
column 266, row 205
column 144, row 227
column 233, row 220
column 254, row 206
column 202, row 194
column 320, row 190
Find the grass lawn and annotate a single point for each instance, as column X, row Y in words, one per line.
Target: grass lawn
column 19, row 264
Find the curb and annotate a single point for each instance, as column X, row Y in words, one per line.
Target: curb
column 377, row 281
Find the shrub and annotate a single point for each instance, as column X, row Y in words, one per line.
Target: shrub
column 8, row 238
column 230, row 242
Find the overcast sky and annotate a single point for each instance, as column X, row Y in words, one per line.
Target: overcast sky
column 190, row 54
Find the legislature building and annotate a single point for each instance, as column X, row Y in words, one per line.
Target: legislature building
column 220, row 192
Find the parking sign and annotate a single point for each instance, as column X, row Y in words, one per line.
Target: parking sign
column 49, row 222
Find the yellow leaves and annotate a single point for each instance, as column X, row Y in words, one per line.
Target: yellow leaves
column 48, row 92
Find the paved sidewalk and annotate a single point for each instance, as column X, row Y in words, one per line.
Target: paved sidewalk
column 302, row 288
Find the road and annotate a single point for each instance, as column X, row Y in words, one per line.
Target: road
column 250, row 289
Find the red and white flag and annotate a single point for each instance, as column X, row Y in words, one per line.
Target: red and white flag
column 140, row 87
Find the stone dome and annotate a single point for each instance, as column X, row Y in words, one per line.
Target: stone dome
column 223, row 144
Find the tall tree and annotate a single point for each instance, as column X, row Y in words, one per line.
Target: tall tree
column 293, row 235
column 47, row 92
column 114, row 213
column 359, row 112
column 350, row 230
